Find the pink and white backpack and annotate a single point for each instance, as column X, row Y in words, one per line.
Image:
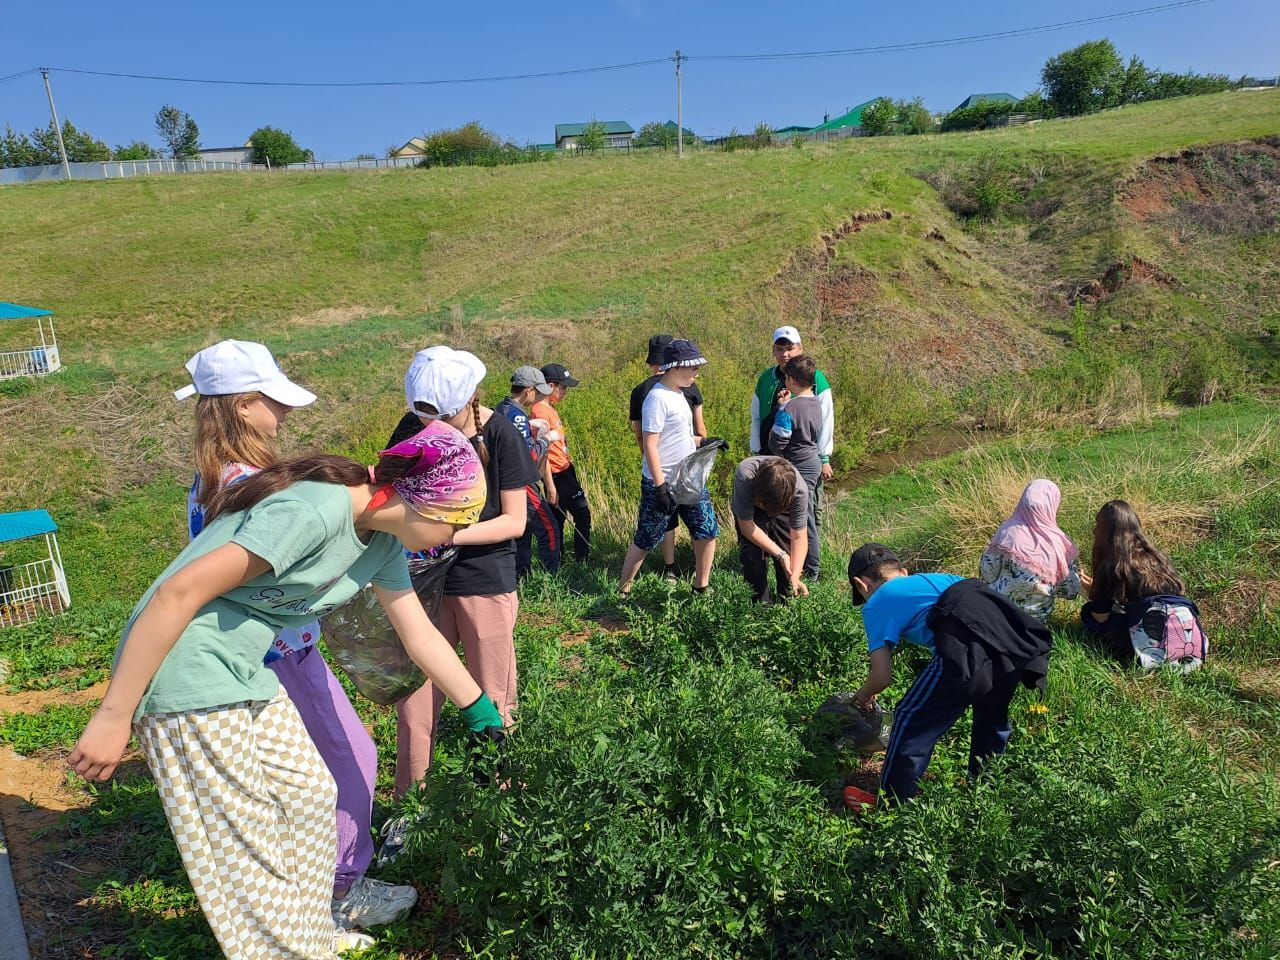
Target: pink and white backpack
column 1169, row 635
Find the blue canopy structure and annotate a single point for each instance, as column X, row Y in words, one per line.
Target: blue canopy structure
column 24, row 524
column 16, row 311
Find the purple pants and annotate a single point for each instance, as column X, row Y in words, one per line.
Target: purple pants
column 348, row 752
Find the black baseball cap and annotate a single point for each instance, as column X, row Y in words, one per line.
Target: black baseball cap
column 657, row 344
column 559, row 373
column 866, row 556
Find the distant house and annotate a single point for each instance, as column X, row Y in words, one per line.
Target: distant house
column 414, row 148
column 670, row 128
column 617, row 133
column 977, row 99
column 786, row 133
column 848, row 124
column 228, row 154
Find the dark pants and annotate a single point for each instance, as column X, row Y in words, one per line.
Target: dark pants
column 813, row 560
column 540, row 525
column 755, row 565
column 1112, row 635
column 573, row 501
column 930, row 708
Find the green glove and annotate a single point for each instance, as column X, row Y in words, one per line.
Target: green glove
column 482, row 714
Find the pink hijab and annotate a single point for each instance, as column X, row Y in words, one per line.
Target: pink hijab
column 1032, row 538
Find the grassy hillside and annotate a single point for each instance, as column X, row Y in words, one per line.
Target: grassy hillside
column 1103, row 289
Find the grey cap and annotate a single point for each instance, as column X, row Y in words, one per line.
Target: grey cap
column 526, row 377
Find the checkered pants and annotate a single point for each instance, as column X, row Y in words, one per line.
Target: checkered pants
column 251, row 806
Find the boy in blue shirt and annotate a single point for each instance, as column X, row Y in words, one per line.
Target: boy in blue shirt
column 983, row 646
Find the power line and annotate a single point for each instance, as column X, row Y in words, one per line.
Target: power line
column 368, row 83
column 20, row 73
column 954, row 41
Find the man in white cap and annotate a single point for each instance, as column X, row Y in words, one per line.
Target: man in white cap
column 770, row 388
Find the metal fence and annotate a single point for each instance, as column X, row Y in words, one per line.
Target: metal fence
column 115, row 169
column 29, row 590
column 31, row 362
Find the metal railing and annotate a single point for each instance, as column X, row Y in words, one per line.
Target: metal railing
column 31, row 362
column 31, row 589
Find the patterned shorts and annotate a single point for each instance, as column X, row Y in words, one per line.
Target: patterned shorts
column 653, row 522
column 251, row 806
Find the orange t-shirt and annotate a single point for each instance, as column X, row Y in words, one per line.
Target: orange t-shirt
column 558, row 454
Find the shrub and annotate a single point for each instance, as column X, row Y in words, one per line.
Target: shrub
column 277, row 147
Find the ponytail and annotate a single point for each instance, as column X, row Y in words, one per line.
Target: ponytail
column 482, row 448
column 320, row 467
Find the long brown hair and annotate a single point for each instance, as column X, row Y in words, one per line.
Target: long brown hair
column 321, row 467
column 1126, row 567
column 223, row 436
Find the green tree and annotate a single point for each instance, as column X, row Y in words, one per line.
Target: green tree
column 178, row 131
column 761, row 136
column 80, row 144
column 592, row 138
column 913, row 116
column 1084, row 79
column 138, row 150
column 879, row 117
column 1135, row 85
column 17, row 150
column 656, row 134
column 277, row 147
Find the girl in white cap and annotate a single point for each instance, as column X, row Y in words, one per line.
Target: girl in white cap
column 247, row 796
column 479, row 607
column 244, row 398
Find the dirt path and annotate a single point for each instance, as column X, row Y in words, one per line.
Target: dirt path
column 34, row 794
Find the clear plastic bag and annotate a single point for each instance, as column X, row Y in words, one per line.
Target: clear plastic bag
column 365, row 645
column 846, row 727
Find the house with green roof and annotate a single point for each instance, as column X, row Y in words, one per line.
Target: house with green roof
column 978, row 99
column 848, row 124
column 786, row 133
column 617, row 133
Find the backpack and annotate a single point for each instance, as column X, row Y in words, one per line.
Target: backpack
column 689, row 477
column 1169, row 634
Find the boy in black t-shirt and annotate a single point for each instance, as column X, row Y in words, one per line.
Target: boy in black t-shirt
column 658, row 343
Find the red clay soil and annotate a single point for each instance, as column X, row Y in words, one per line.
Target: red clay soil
column 33, row 796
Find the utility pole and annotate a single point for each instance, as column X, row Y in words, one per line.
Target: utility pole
column 57, row 127
column 679, row 110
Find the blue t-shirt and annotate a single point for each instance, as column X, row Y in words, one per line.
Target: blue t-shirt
column 898, row 609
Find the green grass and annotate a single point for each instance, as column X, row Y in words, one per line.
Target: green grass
column 56, row 727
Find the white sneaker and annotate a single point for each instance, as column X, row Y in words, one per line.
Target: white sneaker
column 349, row 940
column 394, row 833
column 371, row 903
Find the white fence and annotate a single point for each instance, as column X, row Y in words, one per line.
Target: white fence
column 31, row 362
column 115, row 169
column 31, row 589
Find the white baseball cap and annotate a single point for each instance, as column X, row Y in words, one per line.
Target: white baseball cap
column 790, row 334
column 241, row 366
column 445, row 378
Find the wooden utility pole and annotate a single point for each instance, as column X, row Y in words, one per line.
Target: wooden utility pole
column 57, row 127
column 679, row 110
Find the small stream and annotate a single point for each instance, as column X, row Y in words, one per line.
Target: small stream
column 929, row 444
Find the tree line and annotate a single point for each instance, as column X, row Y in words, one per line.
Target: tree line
column 177, row 130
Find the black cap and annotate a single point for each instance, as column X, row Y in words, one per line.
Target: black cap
column 682, row 353
column 657, row 344
column 559, row 373
column 866, row 556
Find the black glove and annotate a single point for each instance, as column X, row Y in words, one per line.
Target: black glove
column 666, row 499
column 720, row 442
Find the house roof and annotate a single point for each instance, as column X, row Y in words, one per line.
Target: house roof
column 575, row 129
column 25, row 523
column 794, row 128
column 851, row 119
column 414, row 143
column 16, row 311
column 671, row 125
column 974, row 99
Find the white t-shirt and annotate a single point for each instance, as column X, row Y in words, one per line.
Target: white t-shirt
column 667, row 413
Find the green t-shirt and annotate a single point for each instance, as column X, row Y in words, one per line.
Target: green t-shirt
column 317, row 563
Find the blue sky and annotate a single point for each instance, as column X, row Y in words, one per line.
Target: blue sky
column 325, row 40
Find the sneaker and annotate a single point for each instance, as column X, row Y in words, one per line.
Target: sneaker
column 671, row 573
column 394, row 833
column 858, row 801
column 349, row 940
column 372, row 903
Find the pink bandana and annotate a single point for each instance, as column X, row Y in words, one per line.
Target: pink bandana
column 447, row 482
column 1032, row 538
